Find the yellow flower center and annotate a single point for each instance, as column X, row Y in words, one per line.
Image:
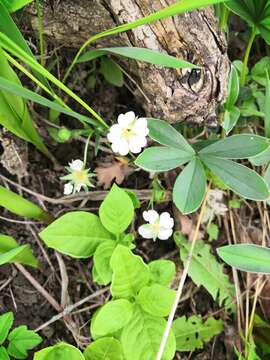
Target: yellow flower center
column 80, row 176
column 155, row 228
column 127, row 133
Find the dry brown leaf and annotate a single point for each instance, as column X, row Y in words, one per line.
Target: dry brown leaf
column 187, row 227
column 115, row 170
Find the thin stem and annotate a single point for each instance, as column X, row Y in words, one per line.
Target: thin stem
column 86, row 150
column 40, row 30
column 246, row 57
column 182, row 281
column 223, row 17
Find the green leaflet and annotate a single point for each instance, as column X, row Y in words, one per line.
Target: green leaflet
column 206, row 271
column 6, row 321
column 105, row 348
column 116, row 211
column 111, row 72
column 102, row 272
column 20, row 206
column 111, row 317
column 141, row 337
column 161, row 271
column 60, row 351
column 246, row 257
column 76, row 234
column 189, row 187
column 130, row 273
column 21, row 340
column 191, row 333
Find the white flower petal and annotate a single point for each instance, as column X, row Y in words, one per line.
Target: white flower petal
column 76, row 165
column 164, row 234
column 138, row 140
column 114, row 133
column 123, row 147
column 151, row 216
column 68, row 189
column 145, row 231
column 166, row 221
column 141, row 127
column 126, row 119
column 135, row 148
column 77, row 187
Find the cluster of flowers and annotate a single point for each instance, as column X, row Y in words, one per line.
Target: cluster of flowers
column 128, row 135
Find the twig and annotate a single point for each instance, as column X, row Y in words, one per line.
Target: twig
column 182, row 281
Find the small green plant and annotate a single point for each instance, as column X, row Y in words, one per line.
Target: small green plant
column 15, row 344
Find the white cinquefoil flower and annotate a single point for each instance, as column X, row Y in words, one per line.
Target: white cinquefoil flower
column 129, row 134
column 159, row 226
column 78, row 177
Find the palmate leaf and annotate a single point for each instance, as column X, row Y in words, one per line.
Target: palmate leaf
column 142, row 335
column 191, row 333
column 206, row 271
column 255, row 12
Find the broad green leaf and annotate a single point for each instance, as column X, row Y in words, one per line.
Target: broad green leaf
column 142, row 335
column 233, row 88
column 116, row 211
column 259, row 70
column 255, row 13
column 76, row 234
column 162, row 271
column 230, row 119
column 239, row 178
column 102, row 272
column 246, row 257
column 237, row 147
column 205, row 270
column 111, row 72
column 60, row 351
column 14, row 5
column 111, row 317
column 160, row 158
column 191, row 333
column 6, row 321
column 18, row 90
column 139, row 54
column 165, row 134
column 157, row 300
column 10, row 252
column 261, row 159
column 20, row 206
column 189, row 187
column 4, row 354
column 106, row 348
column 130, row 273
column 21, row 340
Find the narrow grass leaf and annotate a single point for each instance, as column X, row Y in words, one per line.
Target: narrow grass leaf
column 267, row 107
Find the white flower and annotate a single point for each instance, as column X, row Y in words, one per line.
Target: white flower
column 160, row 226
column 78, row 177
column 129, row 134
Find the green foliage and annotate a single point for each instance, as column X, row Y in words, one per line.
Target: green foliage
column 20, row 206
column 6, row 321
column 142, row 335
column 111, row 317
column 190, row 185
column 116, row 211
column 191, row 333
column 212, row 231
column 161, row 272
column 232, row 113
column 139, row 54
column 255, row 13
column 130, row 273
column 206, row 271
column 246, row 257
column 156, row 299
column 105, row 348
column 11, row 252
column 18, row 342
column 102, row 272
column 111, row 72
column 76, row 234
column 14, row 5
column 60, row 351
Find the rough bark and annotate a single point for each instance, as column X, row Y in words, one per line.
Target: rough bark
column 175, row 95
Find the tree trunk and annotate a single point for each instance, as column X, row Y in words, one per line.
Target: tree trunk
column 174, row 95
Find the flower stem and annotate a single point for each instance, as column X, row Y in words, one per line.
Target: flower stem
column 182, row 280
column 246, row 57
